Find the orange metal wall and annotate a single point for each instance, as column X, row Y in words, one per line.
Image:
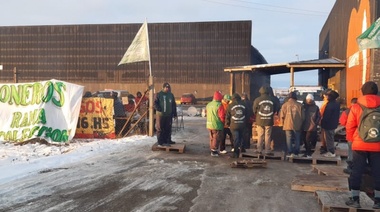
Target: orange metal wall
column 347, row 20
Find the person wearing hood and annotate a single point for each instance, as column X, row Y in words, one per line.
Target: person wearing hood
column 236, row 119
column 312, row 118
column 363, row 152
column 166, row 109
column 226, row 131
column 264, row 108
column 329, row 122
column 215, row 116
column 292, row 116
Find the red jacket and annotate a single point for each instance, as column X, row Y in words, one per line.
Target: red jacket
column 344, row 116
column 353, row 120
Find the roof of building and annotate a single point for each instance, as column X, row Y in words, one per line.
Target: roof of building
column 281, row 68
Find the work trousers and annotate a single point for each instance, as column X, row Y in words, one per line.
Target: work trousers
column 215, row 138
column 264, row 134
column 163, row 129
column 359, row 164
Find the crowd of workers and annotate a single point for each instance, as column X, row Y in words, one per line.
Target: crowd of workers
column 231, row 116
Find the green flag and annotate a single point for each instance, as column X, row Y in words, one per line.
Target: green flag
column 138, row 50
column 370, row 39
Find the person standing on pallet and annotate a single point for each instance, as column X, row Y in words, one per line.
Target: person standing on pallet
column 365, row 137
column 292, row 116
column 312, row 118
column 166, row 109
column 264, row 108
column 226, row 131
column 215, row 122
column 236, row 119
column 343, row 122
column 329, row 122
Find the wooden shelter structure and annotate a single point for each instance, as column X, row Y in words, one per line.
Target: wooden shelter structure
column 259, row 75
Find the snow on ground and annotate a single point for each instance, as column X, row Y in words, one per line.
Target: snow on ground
column 17, row 161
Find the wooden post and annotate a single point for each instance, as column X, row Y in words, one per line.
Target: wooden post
column 15, row 80
column 151, row 117
column 231, row 83
column 291, row 76
column 242, row 82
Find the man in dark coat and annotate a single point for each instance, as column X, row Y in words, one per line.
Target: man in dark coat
column 166, row 109
column 264, row 108
column 312, row 118
column 329, row 122
column 236, row 118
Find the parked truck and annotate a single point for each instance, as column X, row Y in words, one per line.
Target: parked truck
column 303, row 90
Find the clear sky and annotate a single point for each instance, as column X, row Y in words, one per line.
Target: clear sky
column 282, row 30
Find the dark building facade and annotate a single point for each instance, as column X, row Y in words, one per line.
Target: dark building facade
column 190, row 56
column 347, row 20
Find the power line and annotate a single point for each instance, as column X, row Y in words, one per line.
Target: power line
column 263, row 9
column 289, row 8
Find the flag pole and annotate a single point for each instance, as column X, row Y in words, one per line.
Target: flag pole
column 151, row 90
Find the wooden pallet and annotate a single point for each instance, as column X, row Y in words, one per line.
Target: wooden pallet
column 251, row 154
column 313, row 182
column 335, row 201
column 318, row 158
column 299, row 159
column 329, row 170
column 343, row 153
column 174, row 147
column 248, row 163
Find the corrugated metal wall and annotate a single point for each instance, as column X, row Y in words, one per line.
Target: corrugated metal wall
column 181, row 53
column 338, row 39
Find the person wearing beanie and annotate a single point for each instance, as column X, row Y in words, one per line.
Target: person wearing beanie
column 226, row 131
column 215, row 116
column 312, row 118
column 292, row 116
column 363, row 151
column 329, row 122
column 166, row 110
column 236, row 120
column 264, row 108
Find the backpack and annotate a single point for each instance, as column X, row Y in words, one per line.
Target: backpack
column 369, row 124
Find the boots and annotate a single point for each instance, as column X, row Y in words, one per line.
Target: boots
column 354, row 202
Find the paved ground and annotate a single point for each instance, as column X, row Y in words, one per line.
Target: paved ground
column 142, row 180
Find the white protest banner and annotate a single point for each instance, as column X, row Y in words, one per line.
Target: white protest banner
column 47, row 110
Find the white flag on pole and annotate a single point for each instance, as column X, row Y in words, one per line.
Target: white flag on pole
column 138, row 50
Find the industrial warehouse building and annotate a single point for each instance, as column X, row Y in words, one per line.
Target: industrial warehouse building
column 347, row 20
column 190, row 56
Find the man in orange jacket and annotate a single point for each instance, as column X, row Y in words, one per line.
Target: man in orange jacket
column 363, row 151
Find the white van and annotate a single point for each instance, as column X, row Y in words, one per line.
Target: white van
column 303, row 90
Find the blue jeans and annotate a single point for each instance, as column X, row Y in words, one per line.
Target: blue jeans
column 293, row 135
column 237, row 134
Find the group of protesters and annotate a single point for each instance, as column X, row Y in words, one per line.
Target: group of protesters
column 229, row 115
column 234, row 116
